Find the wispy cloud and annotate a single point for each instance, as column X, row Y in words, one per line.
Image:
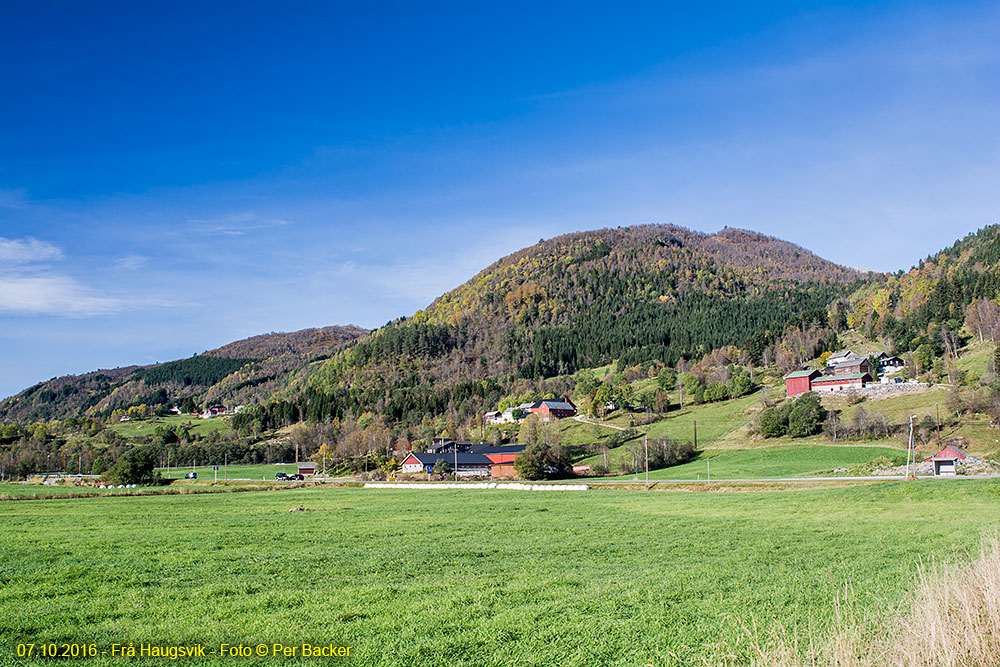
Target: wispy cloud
column 131, row 262
column 27, row 251
column 14, row 199
column 29, row 285
column 236, row 224
column 54, row 295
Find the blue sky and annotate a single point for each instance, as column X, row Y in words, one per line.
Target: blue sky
column 178, row 176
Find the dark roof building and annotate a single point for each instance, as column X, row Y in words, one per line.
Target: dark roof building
column 468, row 464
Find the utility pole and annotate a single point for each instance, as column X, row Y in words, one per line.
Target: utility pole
column 645, row 445
column 226, row 469
column 695, row 435
column 455, row 447
column 909, row 447
column 937, row 408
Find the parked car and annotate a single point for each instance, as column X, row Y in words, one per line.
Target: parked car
column 281, row 475
column 191, row 475
column 297, row 477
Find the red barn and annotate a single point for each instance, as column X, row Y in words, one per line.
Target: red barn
column 502, row 457
column 799, row 382
column 553, row 408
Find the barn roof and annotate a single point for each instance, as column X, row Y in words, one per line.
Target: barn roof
column 427, row 458
column 502, row 449
column 553, row 404
column 800, row 374
column 838, row 378
column 849, row 363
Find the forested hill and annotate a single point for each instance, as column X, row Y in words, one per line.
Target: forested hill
column 930, row 303
column 246, row 371
column 581, row 300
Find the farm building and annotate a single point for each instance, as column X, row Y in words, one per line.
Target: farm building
column 946, row 461
column 502, row 457
column 840, row 382
column 799, row 382
column 841, row 357
column 547, row 409
column 499, row 454
column 503, row 470
column 885, row 362
column 469, row 465
column 859, row 366
column 307, row 468
column 442, row 445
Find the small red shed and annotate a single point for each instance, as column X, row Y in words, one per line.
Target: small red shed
column 946, row 461
column 799, row 382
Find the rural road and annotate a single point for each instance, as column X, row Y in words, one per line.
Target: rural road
column 582, row 420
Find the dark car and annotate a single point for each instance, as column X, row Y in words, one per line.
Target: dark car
column 297, row 477
column 281, row 475
column 191, row 475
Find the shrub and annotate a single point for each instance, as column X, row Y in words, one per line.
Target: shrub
column 806, row 417
column 716, row 392
column 800, row 417
column 133, row 467
column 771, row 423
column 541, row 462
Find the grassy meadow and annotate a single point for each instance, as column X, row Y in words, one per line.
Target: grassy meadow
column 773, row 462
column 473, row 577
column 259, row 471
column 140, row 427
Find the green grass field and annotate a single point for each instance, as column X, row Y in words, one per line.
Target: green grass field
column 256, row 472
column 35, row 490
column 773, row 462
column 202, row 427
column 471, row 577
column 713, row 419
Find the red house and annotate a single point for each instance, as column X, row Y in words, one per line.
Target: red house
column 553, row 408
column 799, row 382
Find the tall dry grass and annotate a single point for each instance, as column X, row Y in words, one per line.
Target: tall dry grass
column 953, row 620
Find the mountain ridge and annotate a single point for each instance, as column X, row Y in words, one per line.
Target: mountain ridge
column 257, row 361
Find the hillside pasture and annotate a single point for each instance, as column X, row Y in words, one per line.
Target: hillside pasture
column 146, row 427
column 762, row 462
